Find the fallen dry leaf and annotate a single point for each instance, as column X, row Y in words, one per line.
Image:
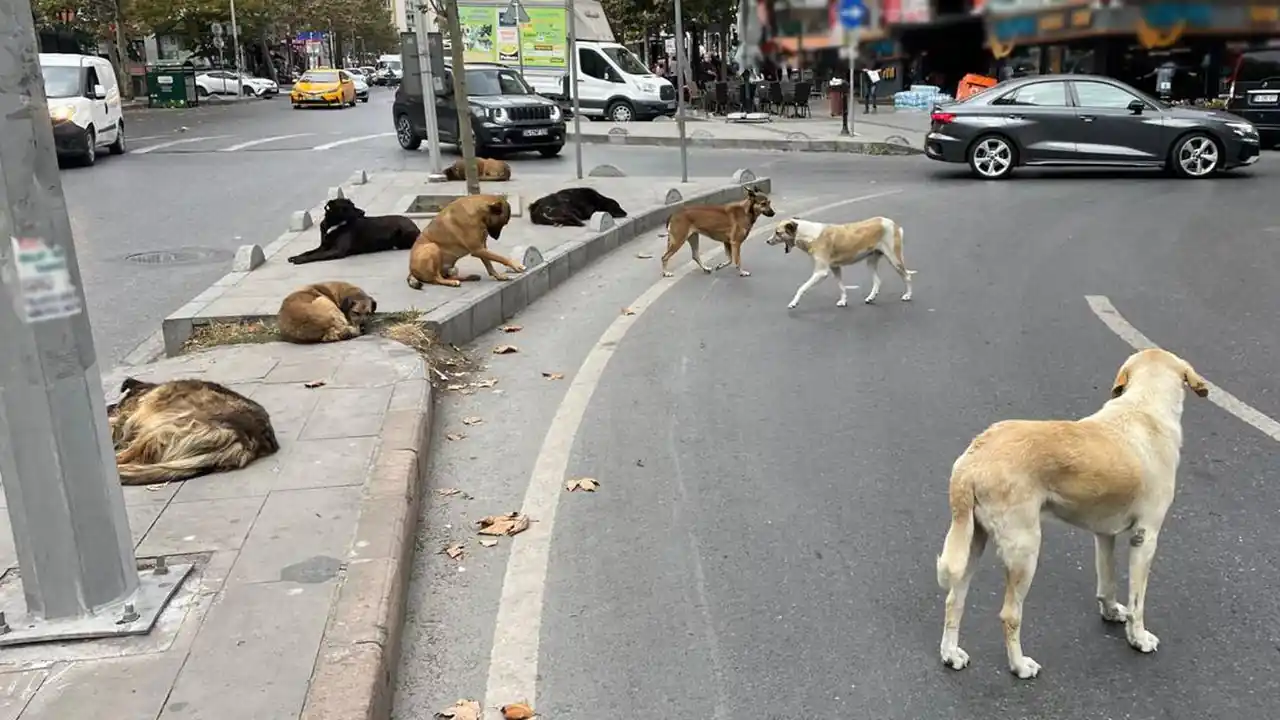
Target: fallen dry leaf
column 488, row 542
column 314, row 384
column 455, row 436
column 453, row 551
column 517, row 711
column 456, row 386
column 511, row 328
column 509, row 524
column 505, row 350
column 628, row 311
column 451, row 492
column 461, row 710
column 473, row 420
column 485, row 383
column 553, row 376
column 644, row 256
column 583, row 483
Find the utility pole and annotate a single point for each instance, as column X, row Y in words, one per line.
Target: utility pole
column 465, row 139
column 235, row 41
column 75, row 556
column 572, row 50
column 681, row 64
column 427, row 73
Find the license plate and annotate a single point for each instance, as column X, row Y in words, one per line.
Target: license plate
column 535, row 132
column 1268, row 99
column 671, row 105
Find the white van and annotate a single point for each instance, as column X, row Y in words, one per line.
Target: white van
column 84, row 104
column 390, row 70
column 613, row 84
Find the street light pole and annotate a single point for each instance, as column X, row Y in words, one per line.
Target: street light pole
column 427, row 73
column 572, row 50
column 75, row 556
column 680, row 68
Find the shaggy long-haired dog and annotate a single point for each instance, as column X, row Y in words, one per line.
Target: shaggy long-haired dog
column 182, row 429
column 487, row 169
column 572, row 206
column 346, row 230
column 325, row 312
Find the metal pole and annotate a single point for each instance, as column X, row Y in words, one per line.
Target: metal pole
column 519, row 36
column 428, row 94
column 235, row 40
column 680, row 66
column 572, row 50
column 851, row 95
column 64, row 498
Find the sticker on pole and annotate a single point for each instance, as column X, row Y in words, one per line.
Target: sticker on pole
column 44, row 281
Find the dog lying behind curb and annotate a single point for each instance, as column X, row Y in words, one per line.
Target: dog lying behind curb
column 572, row 207
column 325, row 312
column 729, row 224
column 462, row 228
column 1112, row 472
column 833, row 246
column 346, row 230
column 182, row 429
column 487, row 169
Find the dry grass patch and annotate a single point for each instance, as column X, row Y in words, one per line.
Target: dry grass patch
column 230, row 333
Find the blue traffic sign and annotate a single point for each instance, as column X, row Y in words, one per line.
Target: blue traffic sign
column 853, row 14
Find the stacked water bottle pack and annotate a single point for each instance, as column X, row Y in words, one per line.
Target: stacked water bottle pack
column 920, row 97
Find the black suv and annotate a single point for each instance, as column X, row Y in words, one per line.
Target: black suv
column 1255, row 92
column 507, row 115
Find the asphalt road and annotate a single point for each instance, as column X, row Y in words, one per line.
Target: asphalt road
column 773, row 482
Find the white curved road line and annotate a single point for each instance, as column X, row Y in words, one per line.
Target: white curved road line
column 1107, row 313
column 262, row 141
column 348, row 141
column 171, row 143
column 513, row 662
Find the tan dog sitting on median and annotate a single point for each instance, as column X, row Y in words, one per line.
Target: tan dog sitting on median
column 325, row 312
column 487, row 169
column 462, row 228
column 1112, row 472
column 834, row 246
column 729, row 224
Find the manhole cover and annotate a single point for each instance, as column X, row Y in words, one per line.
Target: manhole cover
column 179, row 256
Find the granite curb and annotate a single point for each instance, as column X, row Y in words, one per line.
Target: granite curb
column 857, row 147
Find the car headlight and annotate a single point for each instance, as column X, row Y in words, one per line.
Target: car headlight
column 1243, row 129
column 500, row 116
column 648, row 88
column 62, row 113
column 555, row 113
column 479, row 112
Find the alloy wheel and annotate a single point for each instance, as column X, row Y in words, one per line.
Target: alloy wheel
column 1198, row 156
column 992, row 158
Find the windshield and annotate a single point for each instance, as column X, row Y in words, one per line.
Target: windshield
column 390, row 65
column 62, row 81
column 496, row 82
column 320, row 77
column 626, row 61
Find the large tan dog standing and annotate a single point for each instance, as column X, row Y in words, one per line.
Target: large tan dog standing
column 1112, row 472
column 325, row 312
column 833, row 246
column 729, row 224
column 462, row 228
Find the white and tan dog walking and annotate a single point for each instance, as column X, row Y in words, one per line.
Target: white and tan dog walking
column 832, row 247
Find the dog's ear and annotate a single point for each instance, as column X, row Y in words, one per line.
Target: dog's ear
column 373, row 306
column 1122, row 381
column 1194, row 381
column 751, row 190
column 131, row 383
column 345, row 305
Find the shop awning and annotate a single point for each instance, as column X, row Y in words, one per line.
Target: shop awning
column 825, row 41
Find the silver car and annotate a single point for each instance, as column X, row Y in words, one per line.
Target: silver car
column 1085, row 120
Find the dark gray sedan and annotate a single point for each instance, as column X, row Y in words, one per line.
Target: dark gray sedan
column 1085, row 120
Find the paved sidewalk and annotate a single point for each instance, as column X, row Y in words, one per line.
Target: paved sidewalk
column 293, row 611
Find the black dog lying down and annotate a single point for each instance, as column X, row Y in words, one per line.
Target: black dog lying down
column 572, row 206
column 346, row 230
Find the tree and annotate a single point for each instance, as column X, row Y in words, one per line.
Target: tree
column 96, row 21
column 633, row 20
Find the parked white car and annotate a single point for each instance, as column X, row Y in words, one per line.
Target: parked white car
column 84, row 105
column 361, row 83
column 223, row 82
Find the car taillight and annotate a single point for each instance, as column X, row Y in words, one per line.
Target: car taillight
column 943, row 118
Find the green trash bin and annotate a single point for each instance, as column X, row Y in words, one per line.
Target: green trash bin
column 172, row 86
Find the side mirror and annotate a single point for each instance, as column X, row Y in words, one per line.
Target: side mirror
column 99, row 92
column 1137, row 106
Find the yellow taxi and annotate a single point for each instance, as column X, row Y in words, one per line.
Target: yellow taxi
column 324, row 86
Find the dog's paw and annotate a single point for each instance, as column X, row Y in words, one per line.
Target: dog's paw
column 293, row 260
column 869, row 299
column 842, row 302
column 906, row 297
column 1142, row 640
column 453, row 283
column 792, row 305
column 500, row 277
column 668, row 273
column 520, row 268
column 708, row 270
column 1026, row 668
column 1113, row 613
column 743, row 273
column 955, row 658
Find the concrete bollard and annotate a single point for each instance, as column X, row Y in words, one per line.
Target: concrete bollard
column 248, row 257
column 742, row 176
column 337, row 193
column 360, row 177
column 530, row 256
column 606, row 171
column 600, row 221
column 300, row 221
column 701, row 134
column 673, row 196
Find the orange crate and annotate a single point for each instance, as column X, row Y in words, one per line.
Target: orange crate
column 973, row 83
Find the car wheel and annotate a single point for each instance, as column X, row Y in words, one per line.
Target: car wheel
column 992, row 157
column 408, row 139
column 90, row 156
column 551, row 151
column 1196, row 156
column 118, row 147
column 201, row 92
column 247, row 91
column 621, row 111
column 296, row 106
column 364, row 99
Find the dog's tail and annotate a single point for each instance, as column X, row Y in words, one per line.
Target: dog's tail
column 897, row 247
column 208, row 452
column 954, row 560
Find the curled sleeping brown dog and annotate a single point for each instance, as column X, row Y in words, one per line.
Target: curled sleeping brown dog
column 462, row 228
column 486, row 169
column 325, row 312
column 181, row 429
